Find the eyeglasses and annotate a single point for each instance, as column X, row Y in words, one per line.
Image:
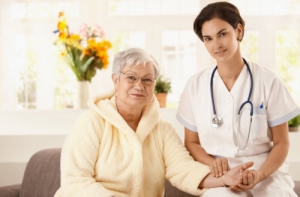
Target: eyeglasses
column 134, row 78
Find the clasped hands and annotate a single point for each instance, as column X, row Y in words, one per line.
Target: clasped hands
column 238, row 178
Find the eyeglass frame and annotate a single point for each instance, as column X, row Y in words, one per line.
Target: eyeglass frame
column 137, row 78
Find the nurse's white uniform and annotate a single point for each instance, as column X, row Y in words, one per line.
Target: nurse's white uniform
column 195, row 113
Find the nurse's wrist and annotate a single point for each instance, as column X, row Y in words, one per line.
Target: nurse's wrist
column 261, row 176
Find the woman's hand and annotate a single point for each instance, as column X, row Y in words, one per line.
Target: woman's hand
column 235, row 177
column 232, row 178
column 219, row 167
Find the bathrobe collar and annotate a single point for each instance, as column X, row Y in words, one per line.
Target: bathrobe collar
column 105, row 106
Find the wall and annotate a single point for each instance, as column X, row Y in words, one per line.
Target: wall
column 22, row 133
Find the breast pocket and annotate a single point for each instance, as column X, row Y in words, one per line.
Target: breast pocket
column 259, row 128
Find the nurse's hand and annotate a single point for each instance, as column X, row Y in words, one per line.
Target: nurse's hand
column 219, row 167
column 248, row 181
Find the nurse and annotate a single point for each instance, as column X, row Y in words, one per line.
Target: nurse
column 237, row 111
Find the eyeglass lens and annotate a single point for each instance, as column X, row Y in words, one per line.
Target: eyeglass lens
column 133, row 78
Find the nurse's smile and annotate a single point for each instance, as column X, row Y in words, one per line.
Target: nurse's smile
column 220, row 53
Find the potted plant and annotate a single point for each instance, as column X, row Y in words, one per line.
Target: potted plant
column 294, row 123
column 162, row 88
column 84, row 52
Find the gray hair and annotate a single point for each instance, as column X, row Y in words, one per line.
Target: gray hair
column 133, row 57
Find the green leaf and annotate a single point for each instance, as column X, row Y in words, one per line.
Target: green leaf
column 162, row 85
column 90, row 74
column 75, row 56
column 87, row 64
column 99, row 64
column 78, row 76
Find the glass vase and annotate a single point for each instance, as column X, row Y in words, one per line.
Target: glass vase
column 81, row 95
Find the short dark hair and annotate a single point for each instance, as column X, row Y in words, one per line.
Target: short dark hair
column 222, row 10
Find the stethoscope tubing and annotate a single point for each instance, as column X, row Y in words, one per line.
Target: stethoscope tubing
column 212, row 91
column 250, row 92
column 242, row 105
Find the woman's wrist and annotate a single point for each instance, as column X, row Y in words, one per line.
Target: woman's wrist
column 223, row 181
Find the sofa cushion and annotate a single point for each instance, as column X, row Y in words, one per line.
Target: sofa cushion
column 10, row 191
column 42, row 177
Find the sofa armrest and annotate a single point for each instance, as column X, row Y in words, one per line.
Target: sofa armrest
column 42, row 174
column 171, row 191
column 10, row 191
column 297, row 187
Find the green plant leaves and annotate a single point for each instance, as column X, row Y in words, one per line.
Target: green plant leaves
column 162, row 85
column 294, row 122
column 87, row 63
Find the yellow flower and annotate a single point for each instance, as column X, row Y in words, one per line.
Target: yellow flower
column 62, row 25
column 62, row 35
column 84, row 52
column 75, row 37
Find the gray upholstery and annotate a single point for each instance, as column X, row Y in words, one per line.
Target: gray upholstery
column 10, row 191
column 171, row 191
column 42, row 178
column 42, row 174
column 297, row 187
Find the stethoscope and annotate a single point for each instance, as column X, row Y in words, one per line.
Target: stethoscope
column 216, row 120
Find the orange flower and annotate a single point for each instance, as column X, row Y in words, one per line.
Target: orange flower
column 60, row 14
column 86, row 52
column 77, row 49
column 62, row 35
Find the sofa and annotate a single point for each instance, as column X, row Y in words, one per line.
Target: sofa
column 42, row 178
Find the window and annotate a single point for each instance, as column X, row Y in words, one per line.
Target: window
column 179, row 60
column 43, row 9
column 124, row 39
column 288, row 60
column 268, row 7
column 25, row 65
column 28, row 55
column 33, row 77
column 153, row 7
column 64, row 88
column 249, row 46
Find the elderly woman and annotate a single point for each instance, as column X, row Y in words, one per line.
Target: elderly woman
column 121, row 147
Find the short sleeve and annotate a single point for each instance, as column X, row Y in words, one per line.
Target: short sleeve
column 185, row 113
column 280, row 106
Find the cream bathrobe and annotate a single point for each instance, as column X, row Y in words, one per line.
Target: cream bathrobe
column 104, row 157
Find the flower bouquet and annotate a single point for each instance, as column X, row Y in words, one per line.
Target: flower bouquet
column 84, row 52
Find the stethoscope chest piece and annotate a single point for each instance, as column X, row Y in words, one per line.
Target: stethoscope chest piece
column 216, row 121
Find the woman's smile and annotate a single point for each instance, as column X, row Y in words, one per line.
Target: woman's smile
column 138, row 95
